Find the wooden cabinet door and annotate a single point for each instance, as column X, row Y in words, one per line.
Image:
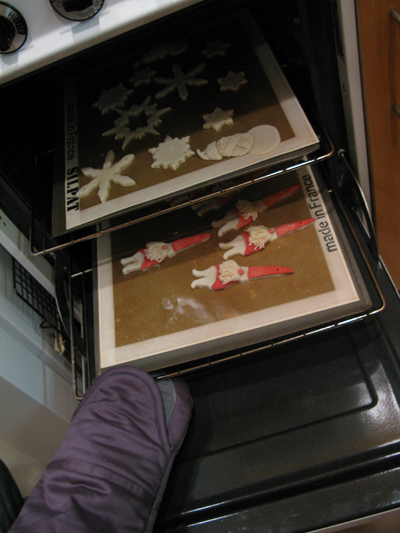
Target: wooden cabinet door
column 379, row 36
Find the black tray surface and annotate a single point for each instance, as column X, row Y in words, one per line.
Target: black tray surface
column 309, row 421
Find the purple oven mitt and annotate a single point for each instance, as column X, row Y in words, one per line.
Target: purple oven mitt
column 111, row 470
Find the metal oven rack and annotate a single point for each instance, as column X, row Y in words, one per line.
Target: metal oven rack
column 362, row 215
column 74, row 278
column 42, row 244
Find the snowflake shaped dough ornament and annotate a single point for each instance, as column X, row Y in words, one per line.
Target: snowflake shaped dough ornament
column 121, row 129
column 171, row 153
column 153, row 121
column 217, row 119
column 232, row 81
column 102, row 178
column 134, row 111
column 110, row 99
column 150, row 129
column 180, row 80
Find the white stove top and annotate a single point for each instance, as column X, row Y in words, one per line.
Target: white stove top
column 52, row 37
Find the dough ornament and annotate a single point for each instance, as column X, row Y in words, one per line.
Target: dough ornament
column 153, row 121
column 171, row 153
column 229, row 273
column 256, row 238
column 259, row 140
column 232, row 81
column 110, row 99
column 121, row 129
column 180, row 80
column 156, row 252
column 246, row 212
column 217, row 119
column 214, row 204
column 134, row 111
column 102, row 178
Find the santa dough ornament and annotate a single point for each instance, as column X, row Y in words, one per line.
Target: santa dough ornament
column 156, row 252
column 229, row 273
column 257, row 238
column 214, row 204
column 246, row 212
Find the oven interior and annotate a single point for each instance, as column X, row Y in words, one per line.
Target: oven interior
column 33, row 106
column 271, row 423
column 302, row 38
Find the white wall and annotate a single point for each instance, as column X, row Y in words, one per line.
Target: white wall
column 36, row 396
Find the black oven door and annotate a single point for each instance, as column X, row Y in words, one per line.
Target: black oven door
column 296, row 437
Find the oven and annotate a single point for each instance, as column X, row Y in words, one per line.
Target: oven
column 296, row 388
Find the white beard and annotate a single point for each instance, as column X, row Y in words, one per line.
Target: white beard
column 156, row 251
column 247, row 209
column 229, row 271
column 259, row 236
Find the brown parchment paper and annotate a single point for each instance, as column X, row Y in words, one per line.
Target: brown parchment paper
column 254, row 103
column 160, row 301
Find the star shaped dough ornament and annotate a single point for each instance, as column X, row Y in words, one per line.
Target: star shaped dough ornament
column 102, row 178
column 110, row 99
column 171, row 153
column 217, row 119
column 180, row 80
column 232, row 81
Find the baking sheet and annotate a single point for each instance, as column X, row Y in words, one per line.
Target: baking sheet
column 154, row 318
column 265, row 98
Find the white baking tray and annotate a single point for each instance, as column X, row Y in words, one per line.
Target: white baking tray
column 266, row 98
column 217, row 321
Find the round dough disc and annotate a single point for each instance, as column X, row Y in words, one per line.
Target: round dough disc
column 266, row 139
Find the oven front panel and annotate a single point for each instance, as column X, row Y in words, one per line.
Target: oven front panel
column 47, row 31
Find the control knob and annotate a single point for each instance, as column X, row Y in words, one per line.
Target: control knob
column 78, row 10
column 13, row 29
